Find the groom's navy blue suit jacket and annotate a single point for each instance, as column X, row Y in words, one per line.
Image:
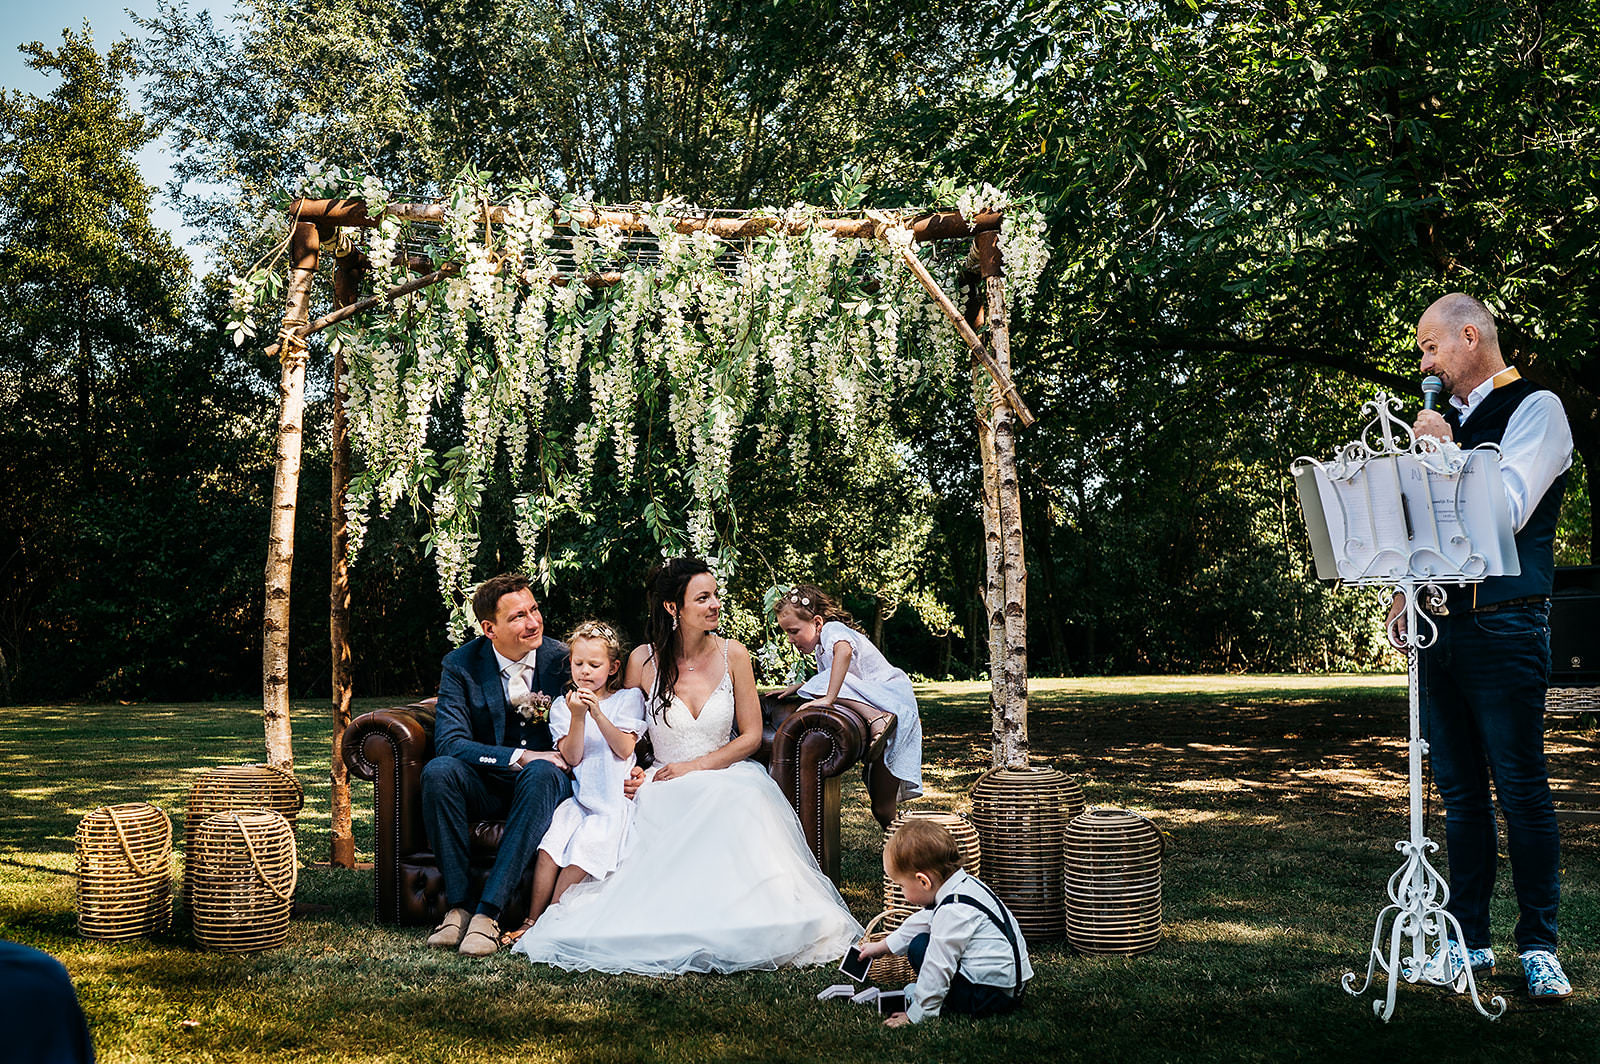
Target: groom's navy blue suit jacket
column 472, row 720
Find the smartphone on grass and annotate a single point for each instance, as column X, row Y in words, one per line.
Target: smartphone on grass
column 855, row 965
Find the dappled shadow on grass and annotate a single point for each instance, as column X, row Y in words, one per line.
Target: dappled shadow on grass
column 1280, row 799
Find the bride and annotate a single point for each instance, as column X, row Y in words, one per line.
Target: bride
column 715, row 875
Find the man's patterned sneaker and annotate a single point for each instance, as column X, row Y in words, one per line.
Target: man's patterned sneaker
column 1448, row 966
column 1546, row 980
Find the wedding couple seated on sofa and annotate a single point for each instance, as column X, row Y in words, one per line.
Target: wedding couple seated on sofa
column 723, row 867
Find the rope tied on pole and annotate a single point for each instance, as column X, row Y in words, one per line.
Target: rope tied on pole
column 292, row 345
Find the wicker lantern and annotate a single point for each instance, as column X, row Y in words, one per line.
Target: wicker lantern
column 124, row 855
column 243, row 870
column 966, row 837
column 1021, row 815
column 230, row 787
column 1113, row 882
column 889, row 969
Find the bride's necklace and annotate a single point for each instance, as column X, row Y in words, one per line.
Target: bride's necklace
column 690, row 667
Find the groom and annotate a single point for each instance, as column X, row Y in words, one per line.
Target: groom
column 493, row 757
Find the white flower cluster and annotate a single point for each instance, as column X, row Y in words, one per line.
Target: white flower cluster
column 320, row 180
column 1023, row 253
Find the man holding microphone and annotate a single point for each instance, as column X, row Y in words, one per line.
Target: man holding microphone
column 1483, row 680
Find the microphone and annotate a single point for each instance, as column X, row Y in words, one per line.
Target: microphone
column 1431, row 387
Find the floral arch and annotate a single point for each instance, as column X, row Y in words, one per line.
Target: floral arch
column 499, row 296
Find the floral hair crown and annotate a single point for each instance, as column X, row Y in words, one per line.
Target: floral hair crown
column 795, row 598
column 595, row 630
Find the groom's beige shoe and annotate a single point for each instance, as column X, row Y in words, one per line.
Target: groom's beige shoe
column 448, row 934
column 482, row 937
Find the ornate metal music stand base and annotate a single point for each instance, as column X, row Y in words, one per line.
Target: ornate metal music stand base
column 1416, row 914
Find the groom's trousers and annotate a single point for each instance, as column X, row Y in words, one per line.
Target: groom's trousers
column 456, row 794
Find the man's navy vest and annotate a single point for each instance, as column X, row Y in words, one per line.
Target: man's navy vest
column 1536, row 541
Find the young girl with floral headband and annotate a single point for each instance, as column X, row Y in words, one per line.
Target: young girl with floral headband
column 595, row 726
column 853, row 671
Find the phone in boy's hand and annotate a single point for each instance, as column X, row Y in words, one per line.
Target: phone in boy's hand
column 855, row 965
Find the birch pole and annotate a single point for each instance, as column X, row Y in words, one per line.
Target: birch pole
column 303, row 249
column 341, row 836
column 1006, row 588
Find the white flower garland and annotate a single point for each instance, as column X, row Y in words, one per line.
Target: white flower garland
column 784, row 334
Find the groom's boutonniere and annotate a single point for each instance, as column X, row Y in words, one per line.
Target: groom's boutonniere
column 533, row 708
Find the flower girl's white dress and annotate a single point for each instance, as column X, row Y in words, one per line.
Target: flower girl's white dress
column 715, row 875
column 873, row 680
column 590, row 828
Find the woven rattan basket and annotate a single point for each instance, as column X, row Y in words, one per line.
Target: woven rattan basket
column 1021, row 815
column 243, row 870
column 1113, row 882
column 966, row 837
column 124, row 855
column 230, row 787
column 889, row 969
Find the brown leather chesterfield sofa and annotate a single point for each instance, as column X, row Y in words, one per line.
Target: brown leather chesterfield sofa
column 807, row 752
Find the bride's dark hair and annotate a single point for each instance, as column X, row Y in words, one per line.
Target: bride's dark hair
column 668, row 582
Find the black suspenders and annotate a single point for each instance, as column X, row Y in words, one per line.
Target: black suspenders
column 998, row 921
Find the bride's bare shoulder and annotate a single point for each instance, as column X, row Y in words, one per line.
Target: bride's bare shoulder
column 640, row 663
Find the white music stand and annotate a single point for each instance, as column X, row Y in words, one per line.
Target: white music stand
column 1395, row 510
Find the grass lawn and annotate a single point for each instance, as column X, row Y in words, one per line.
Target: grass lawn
column 1281, row 797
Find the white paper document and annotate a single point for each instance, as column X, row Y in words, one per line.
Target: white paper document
column 1396, row 517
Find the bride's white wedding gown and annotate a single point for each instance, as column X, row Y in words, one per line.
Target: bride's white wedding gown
column 715, row 875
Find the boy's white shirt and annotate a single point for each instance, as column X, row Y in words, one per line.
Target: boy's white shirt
column 960, row 938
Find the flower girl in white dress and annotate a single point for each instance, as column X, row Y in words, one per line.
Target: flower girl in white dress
column 595, row 726
column 851, row 670
column 716, row 874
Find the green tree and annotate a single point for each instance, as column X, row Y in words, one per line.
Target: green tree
column 1258, row 188
column 129, row 435
column 725, row 102
column 82, row 271
column 1252, row 205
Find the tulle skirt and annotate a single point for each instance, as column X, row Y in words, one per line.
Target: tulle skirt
column 715, row 877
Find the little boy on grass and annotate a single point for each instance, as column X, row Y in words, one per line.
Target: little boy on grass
column 965, row 945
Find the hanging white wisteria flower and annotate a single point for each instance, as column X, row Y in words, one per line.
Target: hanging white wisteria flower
column 788, row 333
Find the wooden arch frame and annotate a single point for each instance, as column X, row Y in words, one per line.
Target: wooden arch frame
column 316, row 223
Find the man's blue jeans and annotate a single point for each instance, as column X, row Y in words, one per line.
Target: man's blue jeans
column 455, row 793
column 1483, row 688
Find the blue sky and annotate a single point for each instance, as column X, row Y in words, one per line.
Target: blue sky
column 109, row 20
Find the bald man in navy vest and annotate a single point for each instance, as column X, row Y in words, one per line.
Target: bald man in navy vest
column 1484, row 678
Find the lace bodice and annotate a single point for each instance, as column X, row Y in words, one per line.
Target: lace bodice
column 677, row 735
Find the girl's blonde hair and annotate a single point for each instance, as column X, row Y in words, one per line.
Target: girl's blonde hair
column 602, row 632
column 808, row 601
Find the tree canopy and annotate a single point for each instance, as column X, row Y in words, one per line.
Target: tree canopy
column 1248, row 208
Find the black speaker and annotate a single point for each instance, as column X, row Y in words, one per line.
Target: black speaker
column 1575, row 626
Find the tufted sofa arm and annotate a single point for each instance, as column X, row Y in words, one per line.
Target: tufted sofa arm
column 811, row 751
column 389, row 747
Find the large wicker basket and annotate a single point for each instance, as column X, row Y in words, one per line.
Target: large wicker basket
column 1113, row 882
column 1021, row 815
column 242, row 870
column 124, row 856
column 889, row 969
column 960, row 827
column 229, row 787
